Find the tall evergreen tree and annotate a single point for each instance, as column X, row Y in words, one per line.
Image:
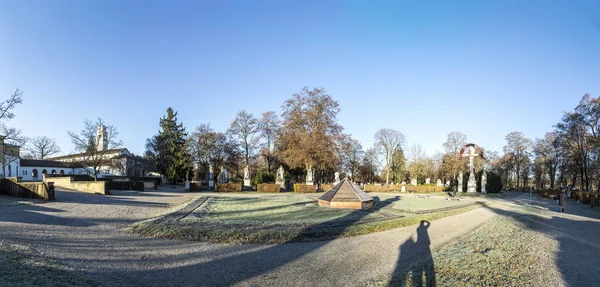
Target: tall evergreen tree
column 167, row 150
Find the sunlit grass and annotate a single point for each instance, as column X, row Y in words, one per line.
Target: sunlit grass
column 242, row 220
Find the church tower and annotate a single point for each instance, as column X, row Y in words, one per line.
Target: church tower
column 101, row 142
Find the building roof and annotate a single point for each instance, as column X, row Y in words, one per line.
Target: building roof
column 346, row 191
column 45, row 163
column 76, row 155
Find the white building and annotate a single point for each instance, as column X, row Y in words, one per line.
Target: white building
column 115, row 162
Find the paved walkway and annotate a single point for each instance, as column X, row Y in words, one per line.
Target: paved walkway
column 86, row 232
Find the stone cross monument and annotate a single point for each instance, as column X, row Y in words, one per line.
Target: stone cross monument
column 470, row 150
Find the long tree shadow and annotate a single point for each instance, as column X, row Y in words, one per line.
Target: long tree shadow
column 237, row 268
column 415, row 261
column 577, row 234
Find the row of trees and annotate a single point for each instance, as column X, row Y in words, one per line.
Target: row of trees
column 306, row 135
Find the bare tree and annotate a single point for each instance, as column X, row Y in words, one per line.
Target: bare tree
column 270, row 129
column 519, row 147
column 245, row 129
column 41, row 147
column 455, row 141
column 87, row 143
column 352, row 154
column 387, row 142
column 11, row 135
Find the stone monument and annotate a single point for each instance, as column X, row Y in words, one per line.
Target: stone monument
column 309, row 176
column 337, row 178
column 223, row 176
column 211, row 181
column 471, row 184
column 460, row 182
column 438, row 182
column 471, row 151
column 247, row 177
column 428, row 180
column 403, row 186
column 280, row 177
column 483, row 181
column 413, row 181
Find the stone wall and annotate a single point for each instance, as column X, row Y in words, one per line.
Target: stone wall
column 97, row 187
column 38, row 190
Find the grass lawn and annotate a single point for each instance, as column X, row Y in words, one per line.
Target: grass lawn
column 411, row 203
column 20, row 266
column 272, row 211
column 293, row 218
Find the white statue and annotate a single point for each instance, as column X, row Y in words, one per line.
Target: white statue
column 309, row 176
column 246, row 172
column 337, row 177
column 223, row 176
column 280, row 172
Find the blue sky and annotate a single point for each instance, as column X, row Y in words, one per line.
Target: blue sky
column 424, row 68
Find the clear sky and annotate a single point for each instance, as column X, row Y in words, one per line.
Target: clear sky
column 424, row 68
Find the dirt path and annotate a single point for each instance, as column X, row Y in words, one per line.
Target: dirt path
column 86, row 232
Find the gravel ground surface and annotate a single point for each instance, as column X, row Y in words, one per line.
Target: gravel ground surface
column 86, row 232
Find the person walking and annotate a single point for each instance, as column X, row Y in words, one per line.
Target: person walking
column 561, row 200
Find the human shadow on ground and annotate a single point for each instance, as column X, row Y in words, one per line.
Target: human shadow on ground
column 415, row 260
column 227, row 271
column 576, row 232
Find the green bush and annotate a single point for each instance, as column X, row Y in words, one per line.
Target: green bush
column 262, row 177
column 494, row 183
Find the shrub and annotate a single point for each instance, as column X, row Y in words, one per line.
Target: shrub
column 304, row 188
column 494, row 183
column 424, row 188
column 228, row 187
column 262, row 177
column 268, row 187
column 326, row 187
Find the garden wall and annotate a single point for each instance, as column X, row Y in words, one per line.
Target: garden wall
column 97, row 187
column 39, row 190
column 126, row 185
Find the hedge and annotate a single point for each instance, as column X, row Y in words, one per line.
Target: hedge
column 409, row 188
column 424, row 189
column 326, row 187
column 228, row 187
column 125, row 185
column 268, row 187
column 304, row 188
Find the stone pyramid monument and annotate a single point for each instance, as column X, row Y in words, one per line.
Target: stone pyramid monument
column 346, row 195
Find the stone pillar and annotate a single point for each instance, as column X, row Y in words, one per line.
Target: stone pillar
column 472, row 184
column 483, row 181
column 403, row 186
column 460, row 182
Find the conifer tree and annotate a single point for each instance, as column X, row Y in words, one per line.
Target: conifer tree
column 167, row 150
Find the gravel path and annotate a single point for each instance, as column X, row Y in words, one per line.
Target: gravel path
column 86, row 232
